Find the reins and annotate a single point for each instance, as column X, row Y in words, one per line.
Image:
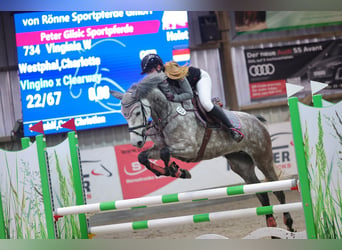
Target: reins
column 157, row 126
column 161, row 123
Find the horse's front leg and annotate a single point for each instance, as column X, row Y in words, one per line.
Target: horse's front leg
column 152, row 153
column 173, row 169
column 164, row 154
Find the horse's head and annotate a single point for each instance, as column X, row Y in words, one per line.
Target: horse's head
column 136, row 111
column 139, row 102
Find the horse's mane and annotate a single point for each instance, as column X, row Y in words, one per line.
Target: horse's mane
column 147, row 84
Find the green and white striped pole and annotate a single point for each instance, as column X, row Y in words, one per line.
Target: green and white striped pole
column 179, row 197
column 193, row 219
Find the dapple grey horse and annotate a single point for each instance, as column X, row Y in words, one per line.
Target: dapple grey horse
column 176, row 132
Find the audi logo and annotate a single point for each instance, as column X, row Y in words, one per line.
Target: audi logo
column 261, row 69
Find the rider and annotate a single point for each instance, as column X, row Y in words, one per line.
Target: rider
column 153, row 63
column 198, row 79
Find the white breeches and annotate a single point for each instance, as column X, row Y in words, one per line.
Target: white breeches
column 203, row 88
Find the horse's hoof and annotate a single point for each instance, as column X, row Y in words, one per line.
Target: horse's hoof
column 174, row 170
column 179, row 172
column 185, row 174
column 288, row 222
column 270, row 221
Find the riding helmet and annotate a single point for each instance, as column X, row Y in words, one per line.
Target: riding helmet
column 150, row 62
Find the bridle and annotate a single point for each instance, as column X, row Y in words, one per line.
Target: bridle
column 146, row 125
column 158, row 125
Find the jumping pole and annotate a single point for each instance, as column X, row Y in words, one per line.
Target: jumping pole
column 193, row 219
column 179, row 197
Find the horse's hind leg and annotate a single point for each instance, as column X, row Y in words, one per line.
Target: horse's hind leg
column 288, row 221
column 242, row 164
column 265, row 164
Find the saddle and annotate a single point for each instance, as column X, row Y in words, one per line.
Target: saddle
column 208, row 121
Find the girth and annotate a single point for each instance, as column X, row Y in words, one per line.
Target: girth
column 207, row 122
column 205, row 140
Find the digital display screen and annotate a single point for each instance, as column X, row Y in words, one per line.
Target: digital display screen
column 68, row 62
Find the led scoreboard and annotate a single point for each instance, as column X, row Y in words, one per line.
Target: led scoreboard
column 68, row 62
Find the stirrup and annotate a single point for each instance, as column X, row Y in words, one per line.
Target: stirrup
column 236, row 135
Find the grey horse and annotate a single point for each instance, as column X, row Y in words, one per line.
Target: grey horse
column 177, row 132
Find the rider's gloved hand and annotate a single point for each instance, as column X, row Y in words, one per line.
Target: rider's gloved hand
column 170, row 97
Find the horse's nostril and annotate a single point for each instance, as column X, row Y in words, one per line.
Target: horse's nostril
column 140, row 144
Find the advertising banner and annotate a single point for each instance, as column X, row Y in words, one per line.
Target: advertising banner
column 100, row 175
column 68, row 61
column 284, row 156
column 260, row 21
column 269, row 69
column 136, row 180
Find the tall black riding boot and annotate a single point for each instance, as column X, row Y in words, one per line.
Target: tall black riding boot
column 218, row 113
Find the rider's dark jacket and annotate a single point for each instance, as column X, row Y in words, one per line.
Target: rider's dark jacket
column 194, row 75
column 179, row 89
column 182, row 89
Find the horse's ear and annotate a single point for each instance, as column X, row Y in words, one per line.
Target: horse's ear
column 116, row 94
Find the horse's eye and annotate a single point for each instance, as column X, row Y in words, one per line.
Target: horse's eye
column 138, row 113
